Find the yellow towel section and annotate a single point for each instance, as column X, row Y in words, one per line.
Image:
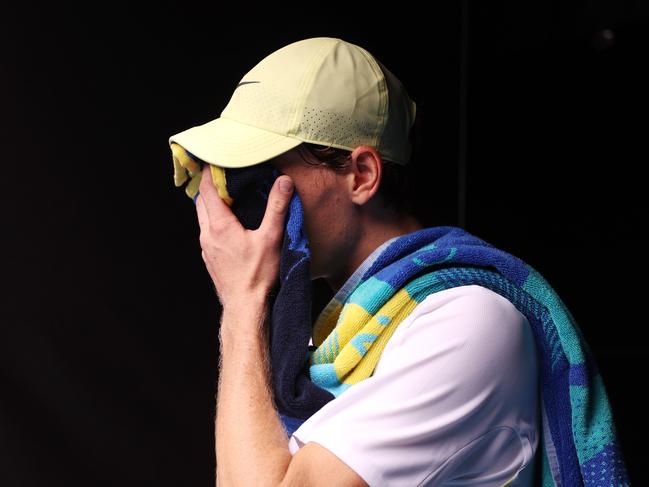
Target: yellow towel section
column 185, row 165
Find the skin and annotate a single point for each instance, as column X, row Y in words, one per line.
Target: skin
column 345, row 222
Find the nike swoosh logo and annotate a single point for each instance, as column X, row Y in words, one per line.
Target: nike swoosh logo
column 246, row 83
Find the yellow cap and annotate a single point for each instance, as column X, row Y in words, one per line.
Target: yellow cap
column 321, row 90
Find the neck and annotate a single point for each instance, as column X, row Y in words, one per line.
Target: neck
column 371, row 237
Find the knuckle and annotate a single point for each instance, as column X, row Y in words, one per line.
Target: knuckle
column 223, row 224
column 278, row 204
column 218, row 226
column 204, row 179
column 203, row 240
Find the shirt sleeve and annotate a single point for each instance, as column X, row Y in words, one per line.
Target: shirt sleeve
column 453, row 396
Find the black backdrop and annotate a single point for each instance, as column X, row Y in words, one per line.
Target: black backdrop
column 534, row 133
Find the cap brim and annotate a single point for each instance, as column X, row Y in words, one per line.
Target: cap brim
column 228, row 143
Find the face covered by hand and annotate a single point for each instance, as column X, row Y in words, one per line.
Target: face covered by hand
column 241, row 241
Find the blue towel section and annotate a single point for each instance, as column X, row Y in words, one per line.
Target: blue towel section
column 579, row 438
column 290, row 424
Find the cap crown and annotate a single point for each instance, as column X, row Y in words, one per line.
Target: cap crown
column 326, row 91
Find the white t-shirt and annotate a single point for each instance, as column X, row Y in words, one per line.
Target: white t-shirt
column 453, row 400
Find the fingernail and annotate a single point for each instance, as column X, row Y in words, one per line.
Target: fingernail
column 285, row 185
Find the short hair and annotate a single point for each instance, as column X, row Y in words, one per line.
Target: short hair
column 397, row 188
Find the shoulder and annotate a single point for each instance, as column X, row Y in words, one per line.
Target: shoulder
column 469, row 326
column 473, row 300
column 471, row 310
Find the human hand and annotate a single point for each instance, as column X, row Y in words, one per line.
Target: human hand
column 243, row 263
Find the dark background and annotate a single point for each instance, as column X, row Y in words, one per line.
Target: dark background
column 535, row 134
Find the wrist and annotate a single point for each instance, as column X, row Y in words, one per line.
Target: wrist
column 243, row 321
column 252, row 300
column 248, row 308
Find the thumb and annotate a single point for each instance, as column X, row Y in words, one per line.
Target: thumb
column 278, row 200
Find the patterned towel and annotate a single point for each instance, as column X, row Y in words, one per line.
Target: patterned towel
column 579, row 437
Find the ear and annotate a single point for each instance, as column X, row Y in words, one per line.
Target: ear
column 365, row 173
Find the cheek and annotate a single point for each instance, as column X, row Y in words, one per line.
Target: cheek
column 319, row 212
column 327, row 216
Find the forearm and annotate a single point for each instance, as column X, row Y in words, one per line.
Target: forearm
column 251, row 444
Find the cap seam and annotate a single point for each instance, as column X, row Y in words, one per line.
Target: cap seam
column 307, row 81
column 384, row 102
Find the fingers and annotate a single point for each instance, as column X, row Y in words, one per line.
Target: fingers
column 278, row 201
column 210, row 208
column 201, row 212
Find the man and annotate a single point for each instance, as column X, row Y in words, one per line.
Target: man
column 454, row 395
